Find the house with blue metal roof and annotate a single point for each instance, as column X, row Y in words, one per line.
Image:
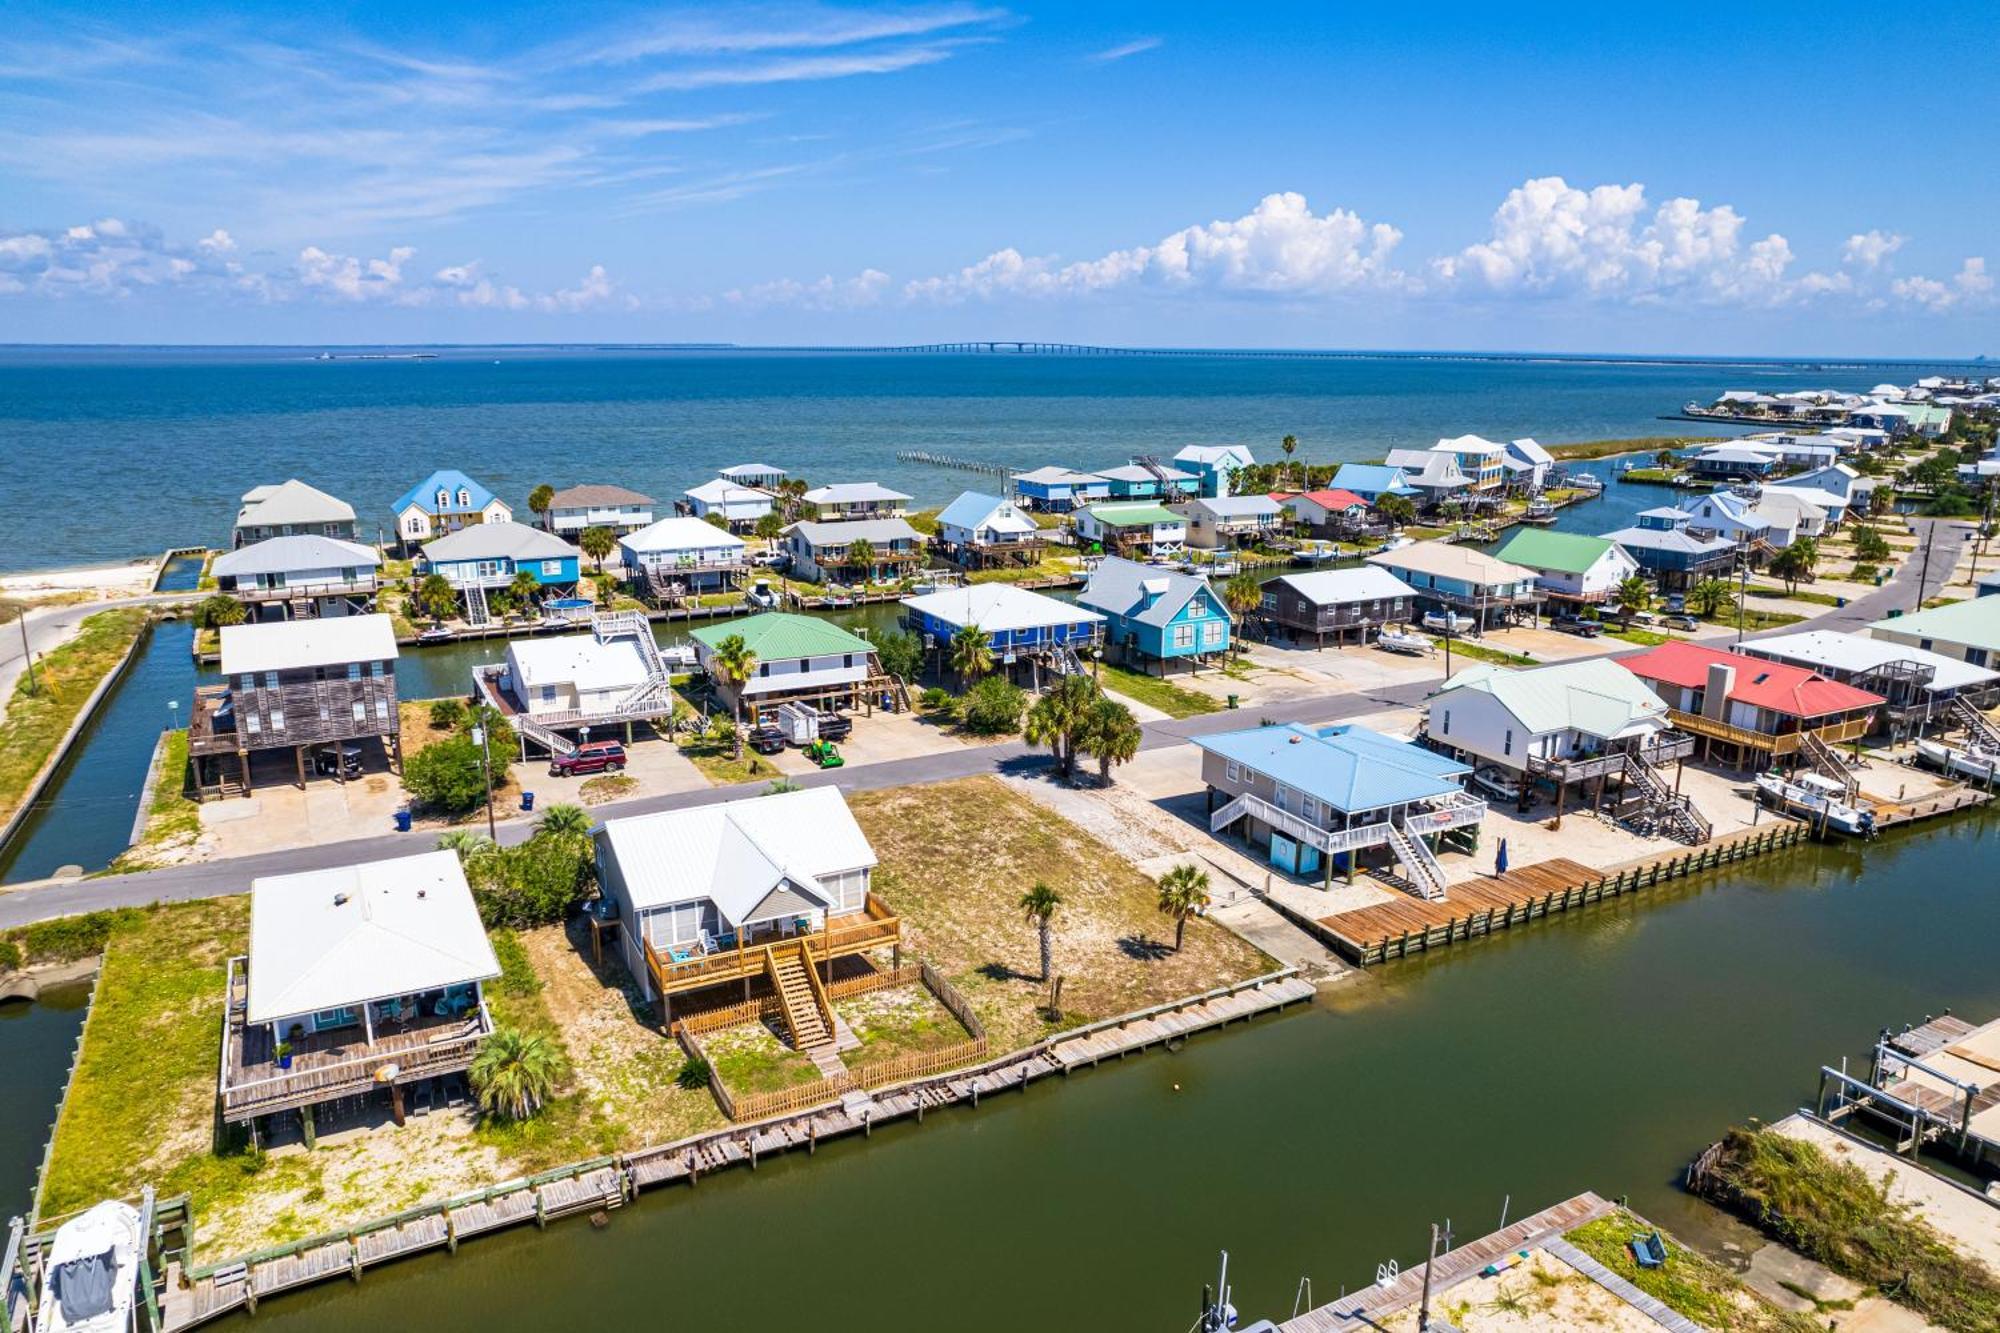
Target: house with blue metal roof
column 443, row 503
column 1154, row 481
column 1661, row 540
column 1372, row 481
column 1057, row 490
column 1154, row 614
column 1317, row 799
column 979, row 529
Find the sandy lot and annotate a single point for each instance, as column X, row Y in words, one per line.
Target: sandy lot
column 100, row 582
column 1539, row 1294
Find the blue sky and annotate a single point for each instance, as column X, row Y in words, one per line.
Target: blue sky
column 1788, row 180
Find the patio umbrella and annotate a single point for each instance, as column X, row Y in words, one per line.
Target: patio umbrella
column 1500, row 859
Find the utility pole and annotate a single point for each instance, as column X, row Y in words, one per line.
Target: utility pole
column 486, row 769
column 1924, row 575
column 27, row 654
column 1424, row 1309
column 1742, row 587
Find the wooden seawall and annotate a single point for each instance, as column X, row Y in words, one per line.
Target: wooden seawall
column 195, row 1294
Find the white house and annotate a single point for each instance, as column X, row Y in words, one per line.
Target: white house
column 736, row 875
column 1437, row 476
column 1215, row 466
column 1231, row 520
column 1527, row 464
column 697, row 555
column 575, row 508
column 1795, row 509
column 291, row 509
column 287, row 577
column 1571, row 566
column 738, row 506
column 574, row 673
column 1567, row 710
column 1735, row 519
column 857, row 500
column 757, row 476
column 975, row 522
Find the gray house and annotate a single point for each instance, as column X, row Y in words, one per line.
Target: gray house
column 1346, row 603
column 291, row 509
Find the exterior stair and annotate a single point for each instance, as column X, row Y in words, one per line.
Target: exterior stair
column 1826, row 761
column 658, row 686
column 808, row 1017
column 1675, row 812
column 1985, row 736
column 548, row 737
column 1419, row 866
column 477, row 614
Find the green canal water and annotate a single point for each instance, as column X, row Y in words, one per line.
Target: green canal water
column 1596, row 1051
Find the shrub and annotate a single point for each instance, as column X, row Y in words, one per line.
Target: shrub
column 695, row 1075
column 447, row 776
column 219, row 610
column 936, row 697
column 446, row 714
column 993, row 707
column 69, row 938
column 900, row 652
column 537, row 883
column 1866, row 573
column 10, row 955
column 500, row 737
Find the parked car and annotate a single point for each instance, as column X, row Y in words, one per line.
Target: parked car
column 594, row 757
column 341, row 760
column 835, row 726
column 767, row 738
column 1682, row 623
column 1578, row 625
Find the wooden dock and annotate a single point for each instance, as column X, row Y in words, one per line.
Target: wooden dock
column 1367, row 1307
column 1482, row 905
column 194, row 1295
column 1889, row 814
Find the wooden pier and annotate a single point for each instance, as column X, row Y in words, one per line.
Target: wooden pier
column 1482, row 905
column 1889, row 813
column 195, row 1294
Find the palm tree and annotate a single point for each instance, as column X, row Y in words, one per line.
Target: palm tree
column 1057, row 718
column 469, row 845
column 540, row 499
column 769, row 526
column 1183, row 894
column 436, row 597
column 597, row 543
column 1707, row 595
column 513, row 1076
column 564, row 820
column 1397, row 509
column 1795, row 562
column 971, row 654
column 1634, row 595
column 1290, row 445
column 523, row 587
column 735, row 663
column 1242, row 595
column 1038, row 907
column 1111, row 733
column 861, row 555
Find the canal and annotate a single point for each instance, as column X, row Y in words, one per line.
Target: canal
column 1598, row 1050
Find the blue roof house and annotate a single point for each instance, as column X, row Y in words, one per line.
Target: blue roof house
column 1057, row 490
column 1372, row 481
column 1153, row 613
column 1138, row 481
column 1323, row 797
column 1214, row 466
column 445, row 502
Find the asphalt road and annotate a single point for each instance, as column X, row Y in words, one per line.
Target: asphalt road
column 44, row 899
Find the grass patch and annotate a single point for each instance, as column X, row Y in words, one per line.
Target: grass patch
column 1831, row 1212
column 1646, row 444
column 610, row 787
column 569, row 1128
column 173, row 820
column 750, row 1058
column 1479, row 652
column 718, row 762
column 1754, row 618
column 36, row 719
column 1795, row 595
column 1689, row 1284
column 1048, row 567
column 1171, row 699
column 1644, row 638
column 898, row 1021
column 924, row 521
column 1112, row 946
column 1648, row 476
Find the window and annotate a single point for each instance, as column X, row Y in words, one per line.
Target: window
column 378, row 669
column 345, row 1016
column 1214, row 634
column 277, row 719
column 444, row 499
column 763, row 668
column 464, row 498
column 1507, row 744
column 552, row 568
column 270, row 680
column 1447, row 722
column 548, row 694
column 247, row 683
column 354, row 671
column 381, row 710
column 1184, row 636
column 1309, row 809
column 1197, row 609
column 1230, row 772
column 847, row 659
column 251, row 724
column 331, row 529
column 1976, row 656
column 415, row 527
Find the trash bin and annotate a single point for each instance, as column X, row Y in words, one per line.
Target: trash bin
column 1839, row 602
column 1879, row 576
column 527, row 800
column 403, row 820
column 1232, row 701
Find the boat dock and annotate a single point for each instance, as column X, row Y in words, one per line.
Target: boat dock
column 1890, row 813
column 1401, row 1290
column 1934, row 1083
column 194, row 1294
column 1482, row 905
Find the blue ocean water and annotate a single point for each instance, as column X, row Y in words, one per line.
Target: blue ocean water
column 125, row 452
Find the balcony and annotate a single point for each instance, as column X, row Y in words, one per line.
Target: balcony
column 1779, row 744
column 849, row 933
column 1458, row 810
column 1670, row 747
column 360, row 586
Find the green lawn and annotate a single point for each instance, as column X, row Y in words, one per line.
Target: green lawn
column 718, row 762
column 1689, row 1284
column 1171, row 699
column 1466, row 650
column 1648, row 444
column 749, row 1059
column 36, row 719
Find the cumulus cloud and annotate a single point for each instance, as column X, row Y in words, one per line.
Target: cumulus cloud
column 865, row 288
column 1869, row 248
column 1971, row 285
column 217, row 242
column 1280, row 248
column 594, row 292
column 351, row 278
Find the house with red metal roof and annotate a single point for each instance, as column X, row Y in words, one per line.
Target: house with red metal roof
column 1328, row 508
column 1750, row 706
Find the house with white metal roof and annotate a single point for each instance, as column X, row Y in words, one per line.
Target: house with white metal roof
column 1149, row 481
column 679, row 556
column 1460, row 579
column 1233, row 520
column 288, row 578
column 1023, row 628
column 1346, row 603
column 291, row 509
column 1481, row 461
column 1437, row 477
column 854, row 500
column 361, row 980
column 769, row 887
column 1916, row 684
column 737, row 505
column 487, row 556
column 1528, row 464
column 822, row 551
column 757, row 476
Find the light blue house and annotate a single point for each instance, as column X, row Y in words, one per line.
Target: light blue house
column 1157, row 614
column 1214, row 467
column 1372, row 481
column 442, row 503
column 1057, row 490
column 1136, row 481
column 489, row 555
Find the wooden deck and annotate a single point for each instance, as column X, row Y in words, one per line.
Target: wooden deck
column 193, row 1296
column 1488, row 903
column 1368, row 1306
column 1889, row 813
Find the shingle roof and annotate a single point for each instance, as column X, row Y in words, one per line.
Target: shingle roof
column 591, row 494
column 291, row 502
column 1348, row 767
column 1117, row 586
column 778, row 636
column 1331, row 587
column 1779, row 686
column 1563, row 552
column 280, row 555
column 424, row 494
column 330, row 938
column 494, row 541
column 1594, row 696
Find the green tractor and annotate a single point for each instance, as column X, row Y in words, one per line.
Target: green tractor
column 824, row 753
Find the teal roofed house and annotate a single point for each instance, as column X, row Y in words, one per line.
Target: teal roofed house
column 1156, row 614
column 1372, row 481
column 1321, row 799
column 1214, row 467
column 445, row 502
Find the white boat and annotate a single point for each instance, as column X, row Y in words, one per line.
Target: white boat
column 1539, row 511
column 1975, row 763
column 1818, row 798
column 762, row 594
column 1405, row 641
column 1447, row 622
column 1584, row 481
column 93, row 1272
column 1395, row 543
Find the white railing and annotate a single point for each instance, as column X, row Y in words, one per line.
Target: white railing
column 1422, row 868
column 314, row 588
column 1329, row 841
column 1455, row 811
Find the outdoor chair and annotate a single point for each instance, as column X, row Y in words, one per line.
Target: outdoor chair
column 708, row 943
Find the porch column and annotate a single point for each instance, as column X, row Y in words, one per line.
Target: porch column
column 299, row 754
column 368, row 1022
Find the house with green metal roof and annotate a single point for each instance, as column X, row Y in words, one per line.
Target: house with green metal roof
column 1968, row 630
column 1141, row 531
column 1571, row 566
column 796, row 659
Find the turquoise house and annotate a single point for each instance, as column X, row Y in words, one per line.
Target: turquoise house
column 1157, row 614
column 489, row 555
column 1136, row 481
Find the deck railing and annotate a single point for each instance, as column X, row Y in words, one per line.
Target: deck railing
column 1780, row 744
column 265, row 592
column 853, row 932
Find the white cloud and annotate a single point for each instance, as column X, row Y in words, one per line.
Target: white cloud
column 351, row 278
column 1281, row 248
column 798, row 69
column 595, row 291
column 1124, row 49
column 1869, row 248
column 828, row 293
column 1971, row 285
column 218, row 242
column 808, row 29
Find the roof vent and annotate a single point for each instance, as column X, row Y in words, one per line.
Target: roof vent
column 423, row 893
column 1295, row 740
column 340, row 900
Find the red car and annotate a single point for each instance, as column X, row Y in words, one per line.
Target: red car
column 595, row 757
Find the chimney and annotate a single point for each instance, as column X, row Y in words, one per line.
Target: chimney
column 1715, row 699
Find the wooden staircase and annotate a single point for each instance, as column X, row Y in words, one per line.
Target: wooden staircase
column 1829, row 763
column 808, row 1015
column 1984, row 735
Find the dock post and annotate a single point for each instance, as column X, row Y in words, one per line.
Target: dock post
column 450, row 1231
column 353, row 1258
